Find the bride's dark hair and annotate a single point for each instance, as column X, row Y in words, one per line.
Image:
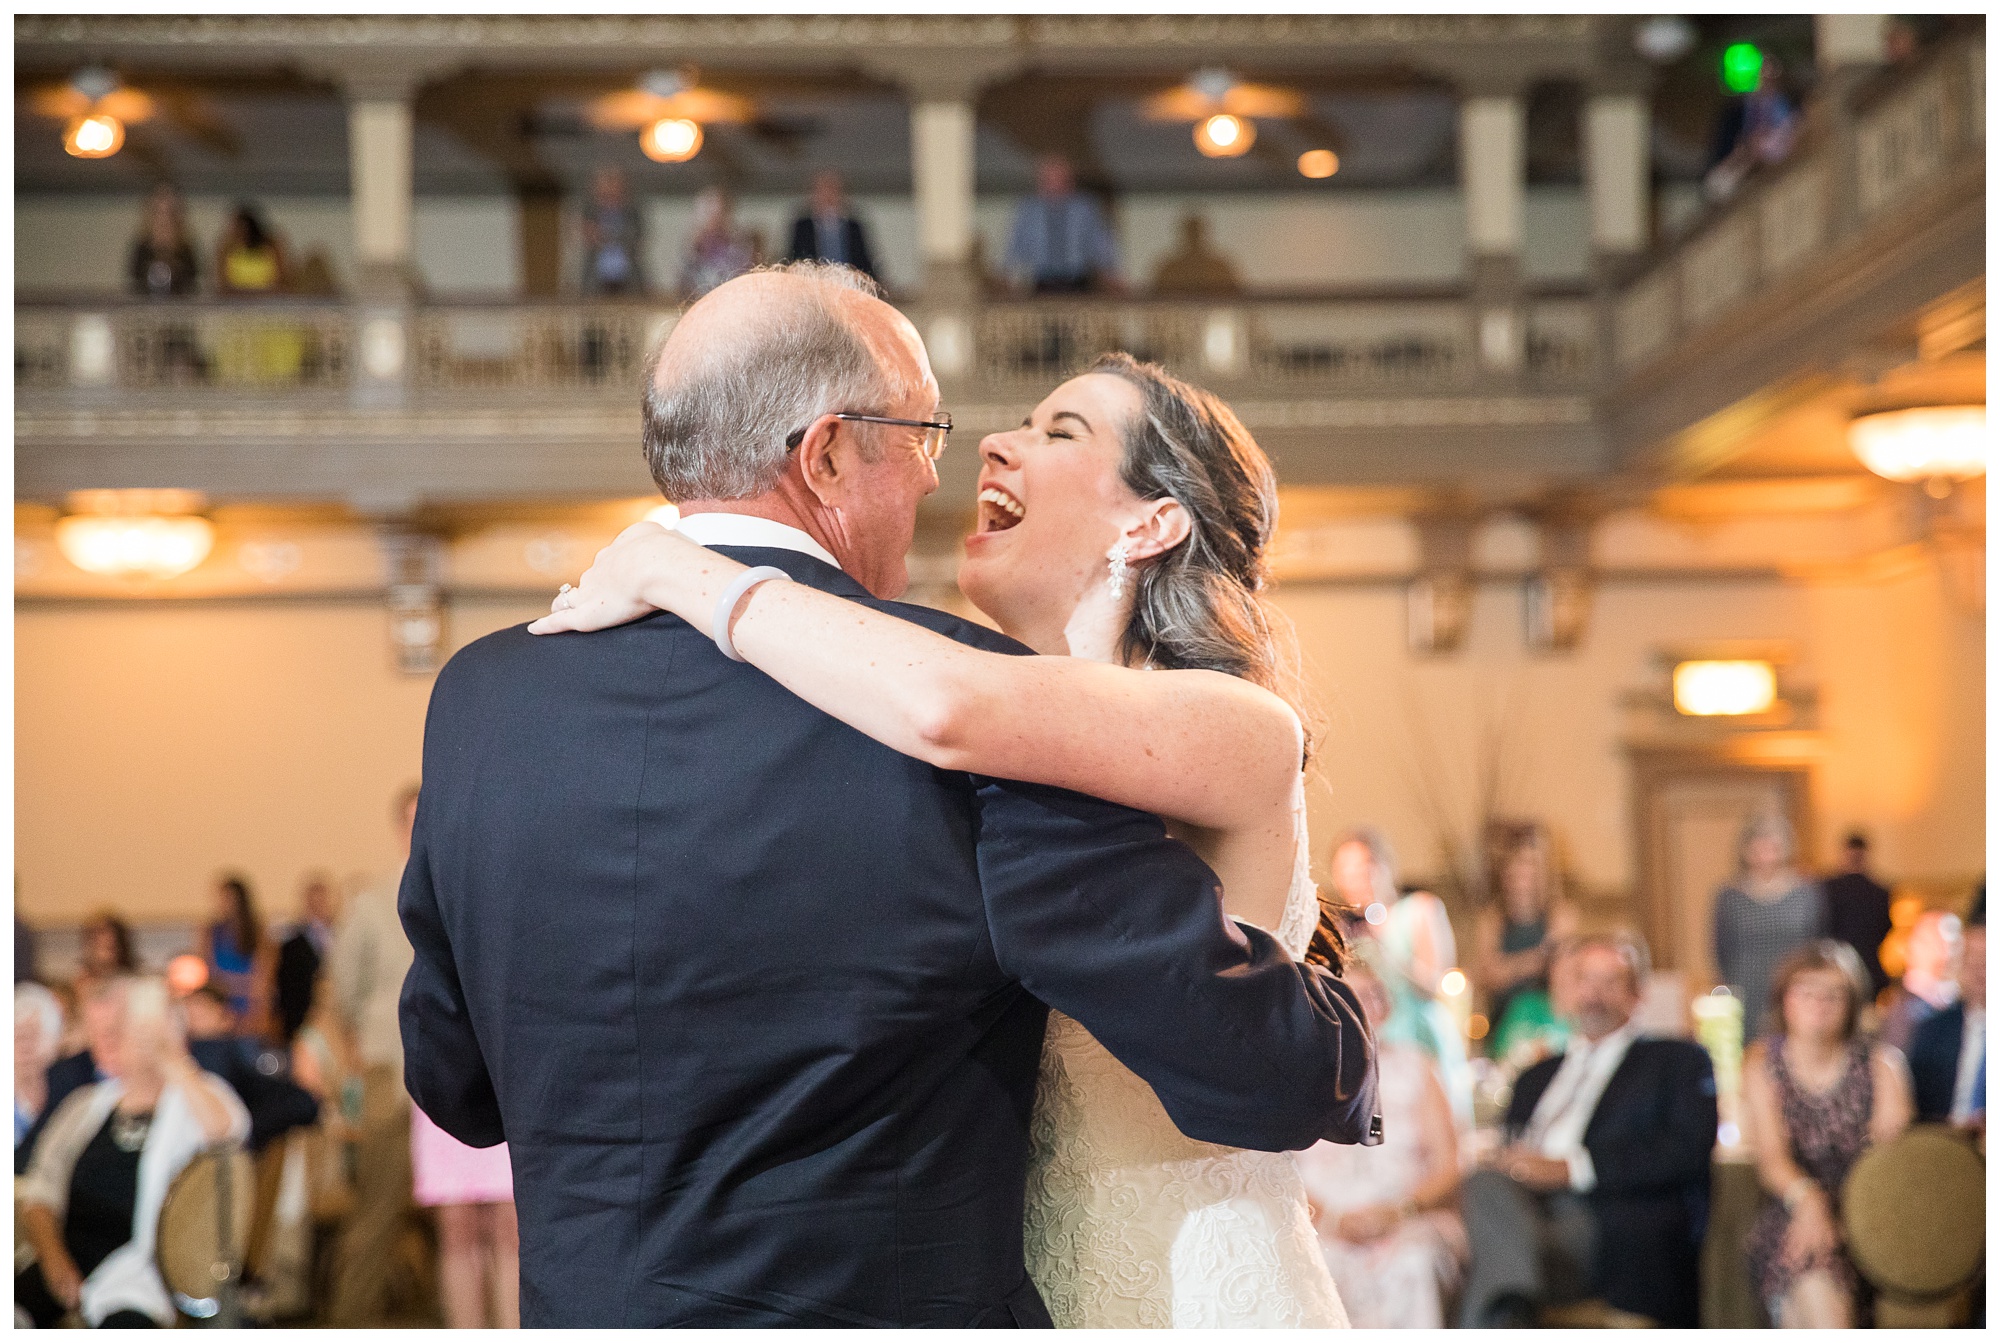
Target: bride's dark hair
column 1198, row 605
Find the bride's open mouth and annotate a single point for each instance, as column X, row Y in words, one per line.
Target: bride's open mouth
column 999, row 510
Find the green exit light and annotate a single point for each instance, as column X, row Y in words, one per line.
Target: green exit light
column 1742, row 66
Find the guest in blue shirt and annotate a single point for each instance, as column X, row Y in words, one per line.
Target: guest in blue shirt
column 1060, row 243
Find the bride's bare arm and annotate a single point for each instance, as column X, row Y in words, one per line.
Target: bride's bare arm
column 1202, row 748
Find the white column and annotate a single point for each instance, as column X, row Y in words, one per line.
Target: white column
column 378, row 133
column 1849, row 39
column 1493, row 163
column 941, row 139
column 1616, row 171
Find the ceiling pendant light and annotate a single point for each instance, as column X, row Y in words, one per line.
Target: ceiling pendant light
column 1223, row 136
column 1934, row 444
column 671, row 140
column 97, row 136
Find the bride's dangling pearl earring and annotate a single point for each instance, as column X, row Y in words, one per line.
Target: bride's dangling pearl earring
column 1120, row 571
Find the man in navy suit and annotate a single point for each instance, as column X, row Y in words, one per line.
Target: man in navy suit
column 1948, row 1050
column 1602, row 1190
column 828, row 230
column 756, row 1002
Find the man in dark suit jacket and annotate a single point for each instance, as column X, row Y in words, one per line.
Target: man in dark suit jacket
column 1857, row 910
column 1948, row 1049
column 828, row 230
column 756, row 1002
column 1603, row 1189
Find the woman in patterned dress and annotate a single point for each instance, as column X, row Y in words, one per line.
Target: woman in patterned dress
column 1816, row 1096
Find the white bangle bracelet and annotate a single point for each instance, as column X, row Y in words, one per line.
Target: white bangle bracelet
column 726, row 607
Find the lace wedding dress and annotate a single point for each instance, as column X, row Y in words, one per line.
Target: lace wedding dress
column 1131, row 1224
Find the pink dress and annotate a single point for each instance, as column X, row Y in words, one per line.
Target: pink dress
column 449, row 1172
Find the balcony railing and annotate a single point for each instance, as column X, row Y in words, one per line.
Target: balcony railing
column 1305, row 347
column 1904, row 144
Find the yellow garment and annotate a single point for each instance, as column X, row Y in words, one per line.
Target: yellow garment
column 251, row 268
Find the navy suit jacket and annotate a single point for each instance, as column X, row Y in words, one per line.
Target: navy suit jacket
column 1934, row 1049
column 853, row 237
column 757, row 1003
column 1650, row 1139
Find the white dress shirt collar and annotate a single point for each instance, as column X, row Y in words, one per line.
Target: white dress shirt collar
column 1564, row 1112
column 744, row 529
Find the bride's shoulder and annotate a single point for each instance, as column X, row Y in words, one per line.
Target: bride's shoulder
column 1246, row 701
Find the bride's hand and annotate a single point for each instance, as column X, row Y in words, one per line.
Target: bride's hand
column 613, row 590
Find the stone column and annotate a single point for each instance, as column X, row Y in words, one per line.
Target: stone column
column 941, row 163
column 1493, row 126
column 1617, row 173
column 379, row 92
column 1847, row 47
column 378, row 135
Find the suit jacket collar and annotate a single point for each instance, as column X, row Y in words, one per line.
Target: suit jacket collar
column 807, row 569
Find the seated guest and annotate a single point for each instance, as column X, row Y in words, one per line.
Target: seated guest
column 1929, row 983
column 1948, row 1053
column 255, row 1072
column 1602, row 1188
column 1386, row 1217
column 99, row 1008
column 38, row 1028
column 107, row 950
column 1857, row 910
column 87, row 1212
column 1815, row 1097
column 828, row 230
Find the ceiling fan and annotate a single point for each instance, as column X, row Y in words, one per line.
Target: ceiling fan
column 95, row 109
column 1225, row 111
column 669, row 109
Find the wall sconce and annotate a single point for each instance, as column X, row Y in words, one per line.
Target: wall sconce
column 415, row 564
column 1439, row 607
column 1556, row 609
column 1725, row 689
column 135, row 534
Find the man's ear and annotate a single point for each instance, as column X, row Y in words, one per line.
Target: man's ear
column 1163, row 525
column 819, row 459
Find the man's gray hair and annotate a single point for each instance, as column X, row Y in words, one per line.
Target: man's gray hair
column 717, row 430
column 1627, row 946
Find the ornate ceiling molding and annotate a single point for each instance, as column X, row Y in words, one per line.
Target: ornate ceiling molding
column 555, row 35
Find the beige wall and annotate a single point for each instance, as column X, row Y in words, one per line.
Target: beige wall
column 1899, row 673
column 154, row 747
column 157, row 745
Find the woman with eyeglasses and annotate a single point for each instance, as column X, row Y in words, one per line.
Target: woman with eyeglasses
column 1816, row 1095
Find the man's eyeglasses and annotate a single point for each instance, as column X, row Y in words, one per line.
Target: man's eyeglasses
column 936, row 432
